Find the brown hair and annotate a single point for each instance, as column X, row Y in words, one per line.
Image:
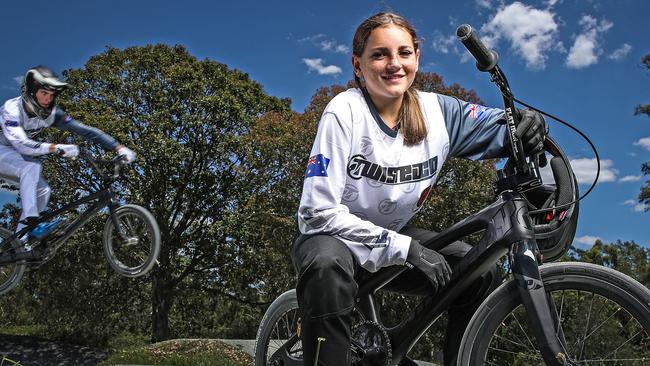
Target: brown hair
column 410, row 115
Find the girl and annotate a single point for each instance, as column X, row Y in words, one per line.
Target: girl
column 378, row 149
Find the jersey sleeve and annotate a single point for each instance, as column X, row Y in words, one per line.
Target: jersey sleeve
column 321, row 210
column 17, row 137
column 65, row 122
column 475, row 132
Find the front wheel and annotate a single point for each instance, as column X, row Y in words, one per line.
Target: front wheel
column 133, row 247
column 10, row 273
column 604, row 317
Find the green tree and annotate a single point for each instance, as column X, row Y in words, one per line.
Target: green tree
column 644, row 195
column 188, row 120
column 624, row 256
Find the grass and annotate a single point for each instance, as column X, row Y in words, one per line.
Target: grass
column 181, row 353
column 132, row 349
column 24, row 330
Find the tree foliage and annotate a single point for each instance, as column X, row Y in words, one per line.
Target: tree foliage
column 624, row 256
column 189, row 122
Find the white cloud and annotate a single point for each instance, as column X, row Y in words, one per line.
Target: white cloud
column 644, row 143
column 312, row 39
column 15, row 85
column 531, row 32
column 586, row 50
column 551, row 3
column 320, row 40
column 585, row 170
column 588, row 239
column 637, row 206
column 487, row 4
column 316, row 64
column 334, row 47
column 630, row 178
column 445, row 44
column 620, row 52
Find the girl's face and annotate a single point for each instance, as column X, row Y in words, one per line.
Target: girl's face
column 388, row 63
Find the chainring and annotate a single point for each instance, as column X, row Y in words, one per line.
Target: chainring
column 370, row 345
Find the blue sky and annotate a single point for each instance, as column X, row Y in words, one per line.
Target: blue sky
column 579, row 60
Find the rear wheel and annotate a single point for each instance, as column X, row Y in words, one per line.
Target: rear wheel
column 133, row 248
column 278, row 341
column 604, row 317
column 10, row 273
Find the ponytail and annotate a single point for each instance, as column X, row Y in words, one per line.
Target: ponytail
column 411, row 119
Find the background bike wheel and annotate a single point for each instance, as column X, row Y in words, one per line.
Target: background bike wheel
column 10, row 273
column 604, row 314
column 136, row 255
column 278, row 329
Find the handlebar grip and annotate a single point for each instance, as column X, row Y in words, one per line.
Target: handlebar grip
column 486, row 59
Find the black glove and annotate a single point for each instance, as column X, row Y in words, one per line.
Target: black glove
column 532, row 131
column 432, row 263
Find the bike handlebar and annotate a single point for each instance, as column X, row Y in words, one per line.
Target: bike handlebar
column 117, row 162
column 486, row 59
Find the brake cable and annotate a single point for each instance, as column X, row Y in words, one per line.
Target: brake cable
column 593, row 148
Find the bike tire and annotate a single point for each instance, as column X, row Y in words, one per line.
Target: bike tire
column 279, row 324
column 605, row 317
column 10, row 273
column 137, row 255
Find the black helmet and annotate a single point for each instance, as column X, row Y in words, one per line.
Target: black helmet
column 555, row 229
column 40, row 77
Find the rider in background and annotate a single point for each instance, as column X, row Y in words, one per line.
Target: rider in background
column 378, row 150
column 22, row 119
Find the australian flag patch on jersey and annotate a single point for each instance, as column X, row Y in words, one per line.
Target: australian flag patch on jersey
column 11, row 123
column 317, row 166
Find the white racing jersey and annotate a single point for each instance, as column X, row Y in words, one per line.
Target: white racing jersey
column 19, row 129
column 363, row 183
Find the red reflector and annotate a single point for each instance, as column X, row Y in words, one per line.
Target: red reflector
column 549, row 216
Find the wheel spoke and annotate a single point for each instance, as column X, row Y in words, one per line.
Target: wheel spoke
column 595, row 322
column 521, row 328
column 623, row 344
column 584, row 336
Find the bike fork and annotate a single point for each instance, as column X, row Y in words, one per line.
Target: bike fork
column 542, row 318
column 112, row 210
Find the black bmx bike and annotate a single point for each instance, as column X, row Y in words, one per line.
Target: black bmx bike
column 131, row 237
column 563, row 313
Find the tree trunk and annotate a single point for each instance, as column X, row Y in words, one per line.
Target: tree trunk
column 161, row 303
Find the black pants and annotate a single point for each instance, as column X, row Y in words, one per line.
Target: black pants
column 327, row 290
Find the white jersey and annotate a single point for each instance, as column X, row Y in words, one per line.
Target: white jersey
column 19, row 129
column 363, row 184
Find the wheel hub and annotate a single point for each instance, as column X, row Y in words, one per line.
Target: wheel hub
column 131, row 241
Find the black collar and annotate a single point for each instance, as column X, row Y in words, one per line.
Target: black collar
column 373, row 111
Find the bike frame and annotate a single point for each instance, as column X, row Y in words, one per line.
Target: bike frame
column 102, row 198
column 507, row 229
